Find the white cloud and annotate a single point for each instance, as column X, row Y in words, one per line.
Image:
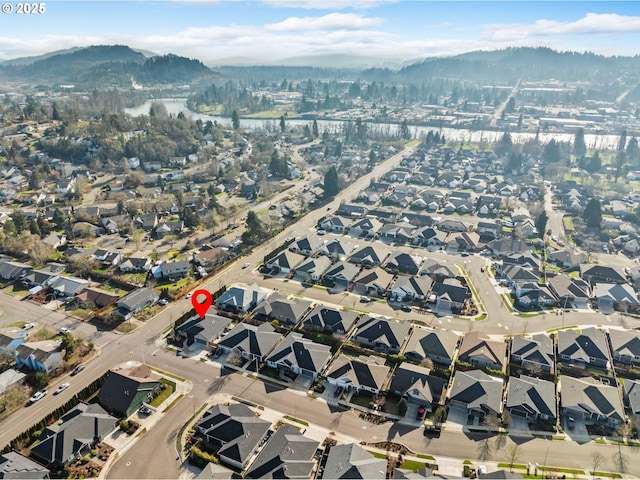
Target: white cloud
column 591, row 23
column 332, row 21
column 328, row 4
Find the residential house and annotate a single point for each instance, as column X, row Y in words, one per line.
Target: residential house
column 282, row 308
column 399, row 232
column 285, row 261
column 342, row 273
column 408, row 289
column 353, row 461
column 369, row 255
column 567, row 258
column 107, row 258
column 287, row 454
column 631, row 389
column 358, row 374
column 202, row 332
column 239, row 299
column 530, row 294
column 13, row 465
column 209, row 258
column 367, row 227
column 14, row 270
column 479, row 349
column 507, row 246
column 64, row 287
column 125, row 390
column 44, row 356
column 251, row 342
column 438, row 270
column 594, row 273
column 136, row 263
column 438, row 345
column 381, row 334
column 55, row 240
column 65, row 185
column 335, row 224
column 589, row 347
column 488, row 230
column 625, row 346
column 329, row 320
column 94, row 297
column 374, row 281
column 450, row 294
column 515, row 274
column 10, row 379
column 337, row 249
column 449, row 225
column 350, row 210
column 307, row 245
column 146, row 222
column 571, row 292
column 80, row 429
column 313, row 268
column 163, row 229
column 590, row 399
column 462, row 242
column 299, row 356
column 404, row 263
column 416, row 385
column 171, row 271
column 233, row 432
column 136, row 301
column 429, row 237
column 531, row 397
column 534, row 354
column 476, row 392
column 618, row 296
column 10, row 339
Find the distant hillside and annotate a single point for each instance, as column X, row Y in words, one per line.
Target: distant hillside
column 511, row 64
column 107, row 65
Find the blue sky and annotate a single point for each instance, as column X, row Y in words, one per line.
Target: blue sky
column 267, row 30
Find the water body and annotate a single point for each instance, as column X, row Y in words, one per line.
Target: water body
column 175, row 106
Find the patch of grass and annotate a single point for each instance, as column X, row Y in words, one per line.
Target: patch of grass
column 126, row 327
column 412, row 465
column 425, row 456
column 110, row 287
column 18, row 290
column 467, row 462
column 166, row 374
column 164, row 394
column 599, row 440
column 551, row 330
column 606, row 474
column 42, row 334
column 507, row 302
column 558, row 437
column 377, row 454
column 297, row 420
column 574, row 471
column 13, row 400
column 515, row 465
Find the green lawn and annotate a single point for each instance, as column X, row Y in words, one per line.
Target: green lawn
column 164, row 394
column 412, row 465
column 377, row 454
column 297, row 420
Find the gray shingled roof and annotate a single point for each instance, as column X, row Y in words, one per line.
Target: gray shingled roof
column 287, row 454
column 441, row 343
column 295, row 350
column 16, row 466
column 327, row 318
column 591, row 396
column 251, row 339
column 538, row 349
column 590, row 343
column 352, row 461
column 477, row 390
column 533, row 395
column 382, row 330
column 359, row 372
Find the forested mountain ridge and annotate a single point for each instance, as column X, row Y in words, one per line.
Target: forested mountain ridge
column 110, row 65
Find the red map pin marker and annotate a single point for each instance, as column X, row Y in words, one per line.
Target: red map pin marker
column 201, row 308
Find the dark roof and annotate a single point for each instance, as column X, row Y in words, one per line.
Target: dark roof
column 441, row 343
column 359, row 372
column 120, row 388
column 295, row 350
column 233, row 430
column 287, row 454
column 210, row 327
column 590, row 343
column 538, row 349
column 382, row 330
column 81, row 426
column 477, row 390
column 322, row 317
column 478, row 344
column 625, row 342
column 409, row 377
column 280, row 307
column 534, row 395
column 588, row 395
column 251, row 339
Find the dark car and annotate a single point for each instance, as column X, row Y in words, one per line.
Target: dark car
column 338, row 392
column 420, row 414
column 77, row 370
column 405, row 308
column 432, row 431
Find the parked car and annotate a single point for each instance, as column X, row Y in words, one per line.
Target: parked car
column 338, row 391
column 61, row 388
column 245, row 265
column 364, row 299
column 27, row 326
column 405, row 308
column 163, row 301
column 145, row 410
column 188, row 295
column 37, row 396
column 64, row 330
column 77, row 370
column 421, row 411
column 432, row 431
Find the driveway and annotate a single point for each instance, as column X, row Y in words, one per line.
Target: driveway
column 518, row 426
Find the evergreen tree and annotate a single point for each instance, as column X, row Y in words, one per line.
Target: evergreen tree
column 623, row 140
column 579, row 146
column 59, row 218
column 283, row 125
column 593, row 164
column 405, row 132
column 235, row 120
column 541, row 223
column 34, row 228
column 314, row 129
column 505, row 145
column 19, row 220
column 621, row 160
column 592, row 214
column 331, row 185
column 551, row 152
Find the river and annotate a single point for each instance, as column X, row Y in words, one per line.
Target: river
column 175, row 106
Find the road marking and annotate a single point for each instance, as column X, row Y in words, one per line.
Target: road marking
column 154, row 352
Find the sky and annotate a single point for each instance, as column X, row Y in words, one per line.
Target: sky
column 262, row 31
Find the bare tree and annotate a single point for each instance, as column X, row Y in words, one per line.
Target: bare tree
column 485, row 449
column 597, row 459
column 513, row 454
column 620, row 461
column 40, row 252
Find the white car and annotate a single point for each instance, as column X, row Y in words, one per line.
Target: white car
column 188, row 295
column 27, row 326
column 246, row 265
column 61, row 388
column 64, row 330
column 37, row 396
